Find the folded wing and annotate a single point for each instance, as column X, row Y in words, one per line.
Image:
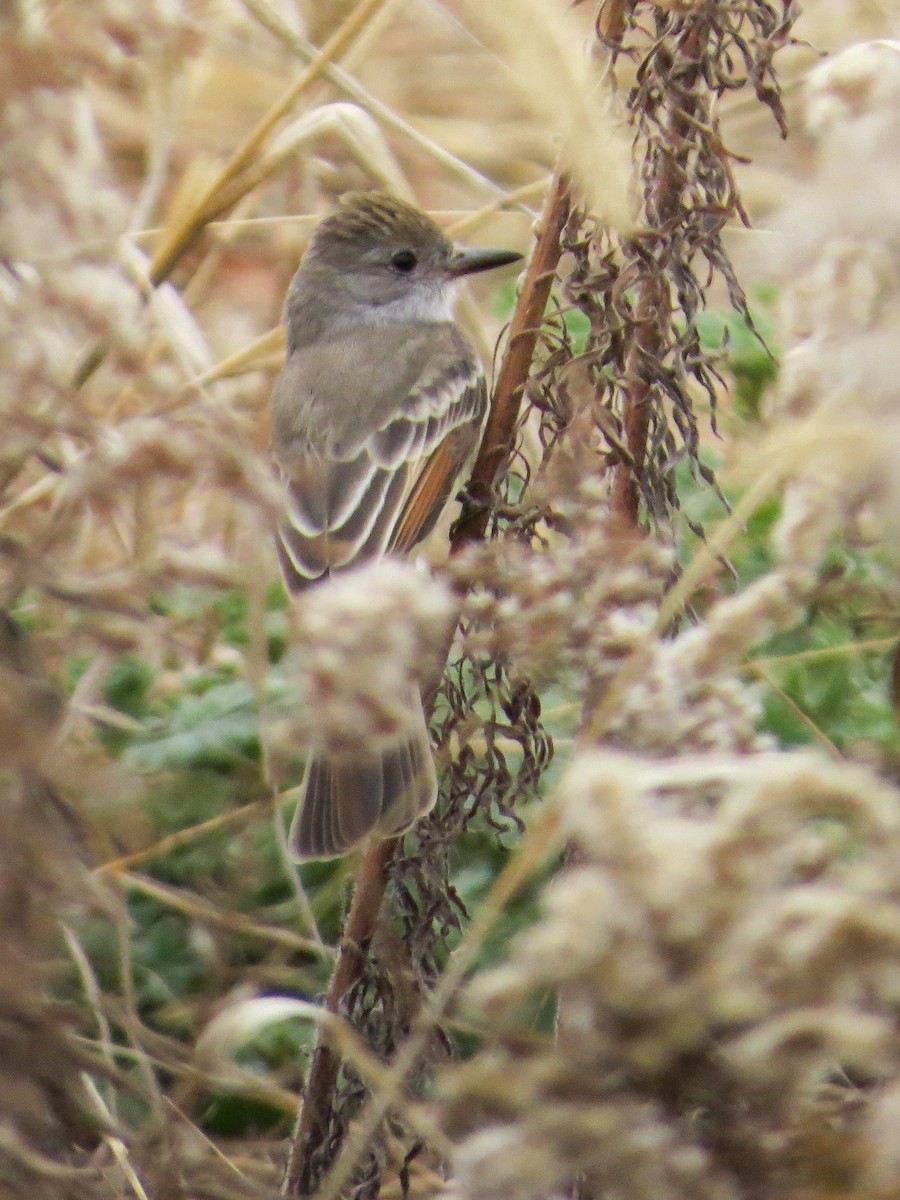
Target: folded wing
column 358, row 489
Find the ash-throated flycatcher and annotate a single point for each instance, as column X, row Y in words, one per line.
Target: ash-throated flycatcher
column 376, row 410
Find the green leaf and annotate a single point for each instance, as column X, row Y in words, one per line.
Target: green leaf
column 214, row 729
column 127, row 684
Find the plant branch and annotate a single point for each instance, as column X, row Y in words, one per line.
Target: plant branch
column 309, row 1156
column 652, row 307
column 499, row 435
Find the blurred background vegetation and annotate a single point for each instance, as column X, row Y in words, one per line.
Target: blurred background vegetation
column 135, row 512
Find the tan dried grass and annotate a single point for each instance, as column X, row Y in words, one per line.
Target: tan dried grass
column 153, row 474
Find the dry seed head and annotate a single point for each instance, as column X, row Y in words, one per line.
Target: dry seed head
column 757, row 937
column 881, row 1151
column 573, row 608
column 364, row 641
column 841, row 305
column 568, row 1131
column 854, row 92
column 504, row 1162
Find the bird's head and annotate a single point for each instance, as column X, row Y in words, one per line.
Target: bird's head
column 378, row 259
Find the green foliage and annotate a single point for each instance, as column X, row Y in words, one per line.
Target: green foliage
column 830, row 682
column 231, row 1116
column 127, row 684
column 216, row 730
column 826, row 682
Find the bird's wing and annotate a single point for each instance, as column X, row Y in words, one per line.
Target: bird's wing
column 375, row 477
column 432, row 486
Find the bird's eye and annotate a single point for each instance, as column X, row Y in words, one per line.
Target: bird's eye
column 404, row 261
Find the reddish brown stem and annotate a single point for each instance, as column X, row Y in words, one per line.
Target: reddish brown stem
column 652, row 297
column 309, row 1156
column 646, row 346
column 499, row 435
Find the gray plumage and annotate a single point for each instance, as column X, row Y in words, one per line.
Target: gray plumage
column 351, row 442
column 376, row 410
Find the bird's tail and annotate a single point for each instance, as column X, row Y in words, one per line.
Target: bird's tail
column 345, row 798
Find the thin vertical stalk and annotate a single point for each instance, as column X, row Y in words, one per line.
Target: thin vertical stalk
column 499, row 435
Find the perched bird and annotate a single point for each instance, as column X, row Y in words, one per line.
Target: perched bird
column 378, row 406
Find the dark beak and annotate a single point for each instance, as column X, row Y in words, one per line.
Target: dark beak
column 469, row 261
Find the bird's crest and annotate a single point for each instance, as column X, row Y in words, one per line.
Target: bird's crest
column 370, row 216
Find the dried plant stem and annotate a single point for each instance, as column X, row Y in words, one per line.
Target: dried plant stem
column 304, row 1164
column 471, row 220
column 708, row 557
column 652, row 298
column 187, row 836
column 543, row 838
column 264, row 12
column 186, row 233
column 534, row 292
column 820, row 653
column 611, row 20
column 201, row 910
column 308, row 1161
column 647, row 344
column 805, row 720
